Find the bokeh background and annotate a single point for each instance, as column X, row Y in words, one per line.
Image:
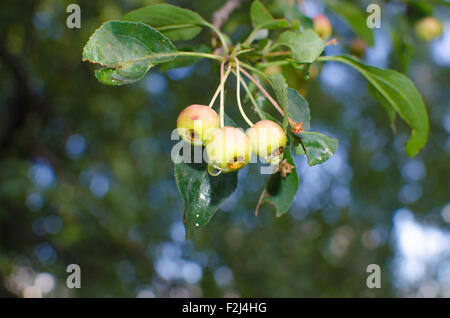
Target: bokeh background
column 86, row 175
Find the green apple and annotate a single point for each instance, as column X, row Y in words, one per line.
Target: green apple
column 268, row 140
column 228, row 150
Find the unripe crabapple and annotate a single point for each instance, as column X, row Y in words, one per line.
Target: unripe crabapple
column 228, row 150
column 322, row 26
column 268, row 140
column 196, row 122
column 428, row 28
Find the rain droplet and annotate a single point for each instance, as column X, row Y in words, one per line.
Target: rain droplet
column 197, row 225
column 198, row 215
column 214, row 170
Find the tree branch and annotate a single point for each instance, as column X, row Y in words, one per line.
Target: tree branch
column 221, row 15
column 22, row 103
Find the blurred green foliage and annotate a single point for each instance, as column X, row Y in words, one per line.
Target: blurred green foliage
column 86, row 175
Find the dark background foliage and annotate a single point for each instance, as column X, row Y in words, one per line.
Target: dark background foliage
column 86, row 175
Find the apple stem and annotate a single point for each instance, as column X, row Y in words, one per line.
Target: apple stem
column 270, row 98
column 219, row 88
column 252, row 99
column 238, row 93
column 222, row 93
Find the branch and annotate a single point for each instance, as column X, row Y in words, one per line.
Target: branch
column 221, row 15
column 302, row 6
column 23, row 102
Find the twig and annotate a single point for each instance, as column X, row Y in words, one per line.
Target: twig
column 23, row 101
column 260, row 201
column 221, row 15
column 302, row 6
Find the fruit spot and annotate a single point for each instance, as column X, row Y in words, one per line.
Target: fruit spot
column 192, row 135
column 278, row 152
column 236, row 163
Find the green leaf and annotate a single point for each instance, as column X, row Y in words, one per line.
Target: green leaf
column 280, row 88
column 384, row 103
column 298, row 108
column 355, row 18
column 318, row 147
column 262, row 19
column 202, row 194
column 228, row 121
column 293, row 15
column 264, row 107
column 279, row 191
column 126, row 50
column 297, row 145
column 306, row 47
column 396, row 92
column 174, row 22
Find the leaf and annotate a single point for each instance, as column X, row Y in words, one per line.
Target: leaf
column 387, row 107
column 298, row 108
column 396, row 91
column 126, row 50
column 355, row 18
column 263, row 108
column 293, row 15
column 201, row 193
column 318, row 147
column 297, row 145
column 280, row 88
column 174, row 22
column 262, row 19
column 279, row 191
column 306, row 47
column 228, row 121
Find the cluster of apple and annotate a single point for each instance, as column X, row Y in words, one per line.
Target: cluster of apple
column 229, row 148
